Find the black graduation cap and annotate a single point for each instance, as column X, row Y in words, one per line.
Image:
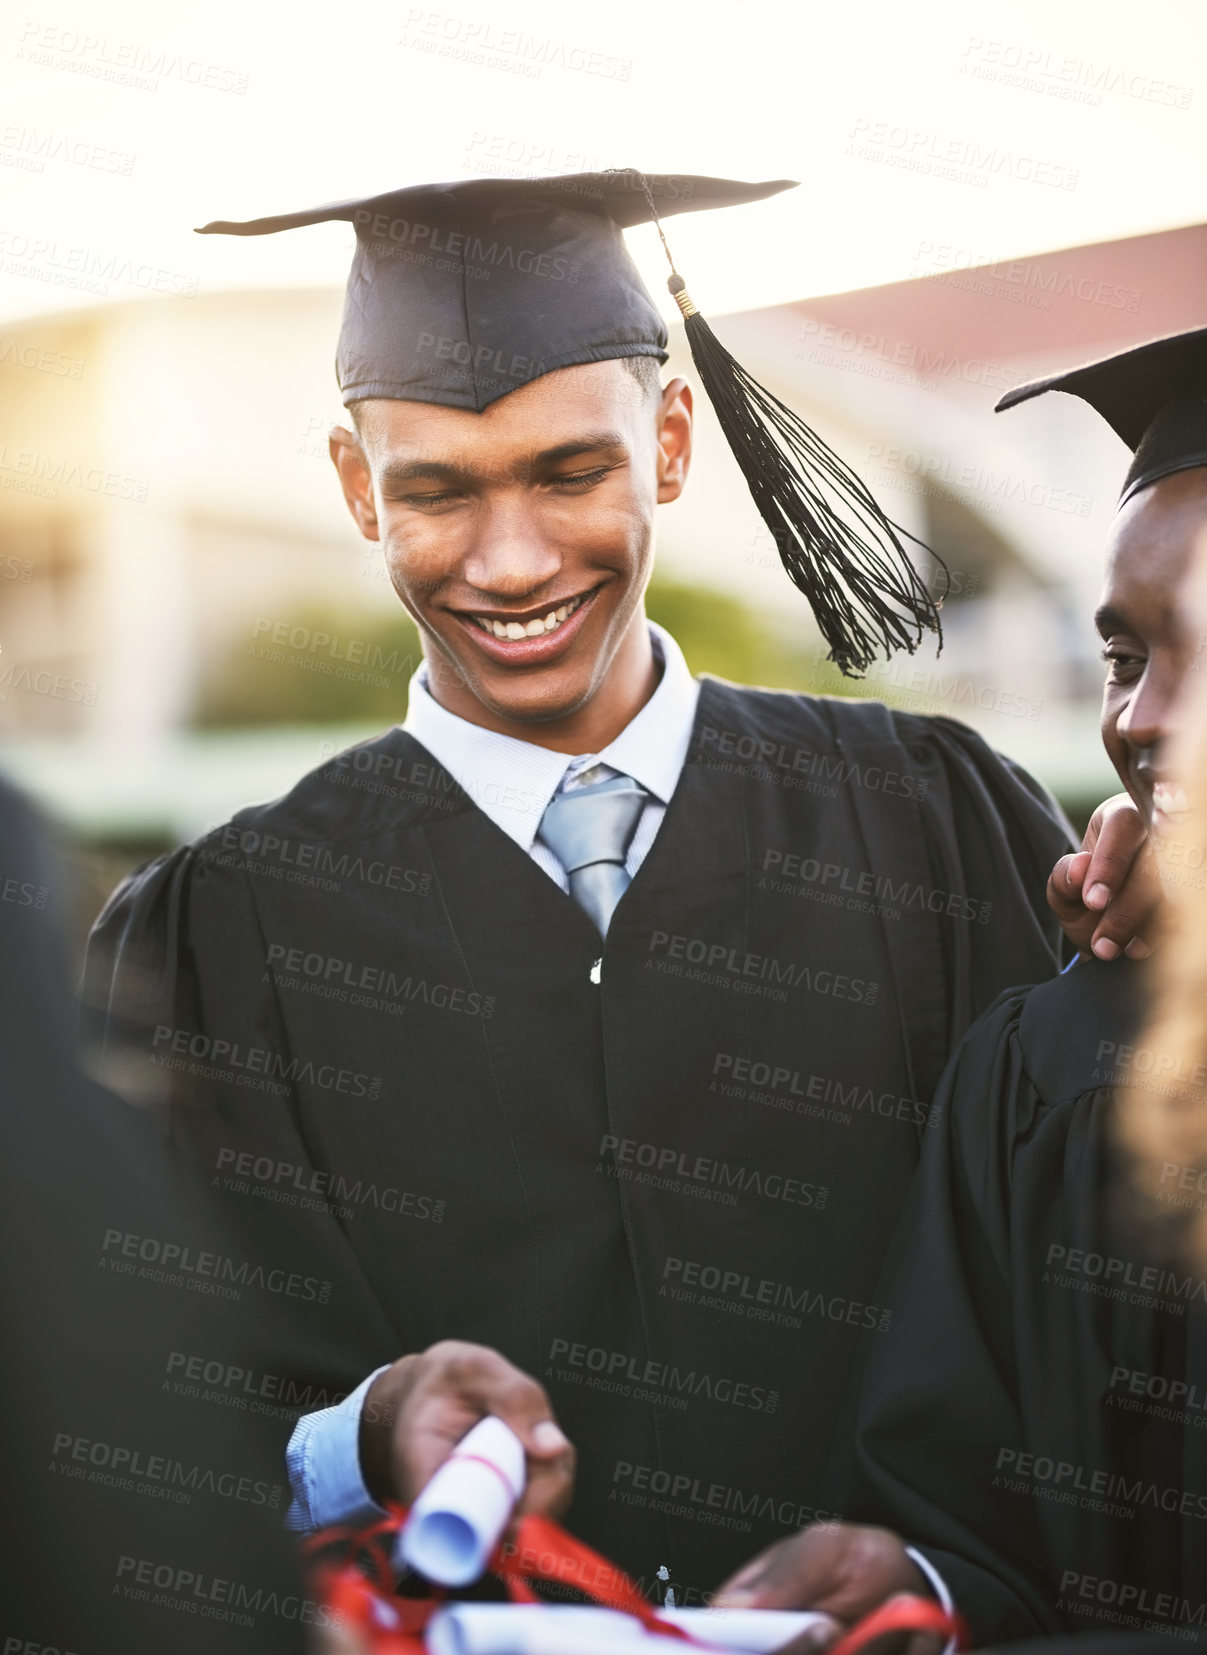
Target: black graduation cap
column 460, row 293
column 1154, row 397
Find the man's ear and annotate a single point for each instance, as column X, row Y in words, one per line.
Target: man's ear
column 674, row 440
column 355, row 478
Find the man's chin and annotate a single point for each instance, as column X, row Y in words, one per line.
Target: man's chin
column 1166, row 829
column 534, row 698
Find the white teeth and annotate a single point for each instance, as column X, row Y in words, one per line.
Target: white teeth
column 1170, row 800
column 535, row 628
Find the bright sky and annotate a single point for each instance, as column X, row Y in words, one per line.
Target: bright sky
column 950, row 129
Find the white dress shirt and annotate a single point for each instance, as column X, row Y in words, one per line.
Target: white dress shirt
column 512, row 782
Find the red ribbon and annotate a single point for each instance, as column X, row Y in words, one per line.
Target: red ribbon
column 902, row 1614
column 358, row 1589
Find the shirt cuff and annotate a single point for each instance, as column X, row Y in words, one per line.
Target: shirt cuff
column 938, row 1586
column 323, row 1462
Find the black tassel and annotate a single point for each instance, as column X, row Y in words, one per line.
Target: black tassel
column 836, row 544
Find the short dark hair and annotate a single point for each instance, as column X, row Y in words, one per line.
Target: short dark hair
column 646, row 370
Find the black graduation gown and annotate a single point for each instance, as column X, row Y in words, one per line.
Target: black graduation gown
column 662, row 1183
column 1018, row 1421
column 130, row 1520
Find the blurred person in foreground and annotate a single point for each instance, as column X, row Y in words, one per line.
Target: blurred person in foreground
column 569, row 1028
column 1035, row 1421
column 1163, row 1124
column 138, row 1516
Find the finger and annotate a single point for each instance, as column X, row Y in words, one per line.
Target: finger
column 1131, row 916
column 1104, row 946
column 342, row 1639
column 456, row 1385
column 1114, row 936
column 1064, row 899
column 841, row 1569
column 822, row 1634
column 425, row 1434
column 1074, row 868
column 1065, row 884
column 397, row 1455
column 1141, row 894
column 479, row 1376
column 521, row 1403
column 925, row 1643
column 765, row 1579
column 550, row 1485
column 747, row 1575
column 919, row 1643
column 1123, row 835
column 905, row 1642
column 789, row 1575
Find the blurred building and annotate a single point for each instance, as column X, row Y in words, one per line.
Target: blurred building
column 166, row 502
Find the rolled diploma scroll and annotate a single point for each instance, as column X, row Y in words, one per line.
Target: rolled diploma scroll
column 755, row 1630
column 562, row 1629
column 459, row 1515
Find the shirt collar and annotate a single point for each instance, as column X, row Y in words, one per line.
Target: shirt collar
column 653, row 745
column 513, row 781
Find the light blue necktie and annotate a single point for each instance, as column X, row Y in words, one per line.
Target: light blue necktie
column 589, row 829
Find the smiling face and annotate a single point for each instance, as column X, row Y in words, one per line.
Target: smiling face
column 1149, row 646
column 521, row 541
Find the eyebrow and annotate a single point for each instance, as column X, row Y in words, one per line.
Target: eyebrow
column 583, row 445
column 397, row 472
column 1162, row 623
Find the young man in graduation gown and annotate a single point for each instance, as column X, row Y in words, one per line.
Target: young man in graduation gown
column 1034, row 1418
column 589, row 1018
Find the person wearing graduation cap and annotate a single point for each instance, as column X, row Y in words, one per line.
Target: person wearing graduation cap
column 554, row 1064
column 1034, row 1418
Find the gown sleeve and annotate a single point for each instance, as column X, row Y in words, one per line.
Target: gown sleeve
column 942, row 1383
column 960, row 841
column 175, row 954
column 998, row 839
column 174, row 983
column 994, row 834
